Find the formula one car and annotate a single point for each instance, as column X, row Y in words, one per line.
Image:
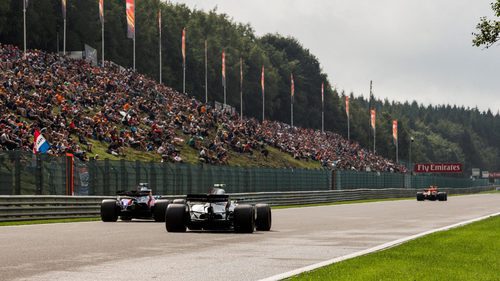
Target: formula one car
column 215, row 211
column 139, row 204
column 432, row 194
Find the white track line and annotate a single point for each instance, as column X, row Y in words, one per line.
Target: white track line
column 371, row 250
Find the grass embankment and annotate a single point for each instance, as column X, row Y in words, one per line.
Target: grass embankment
column 275, row 159
column 10, row 223
column 466, row 253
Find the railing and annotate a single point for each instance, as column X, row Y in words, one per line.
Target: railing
column 19, row 208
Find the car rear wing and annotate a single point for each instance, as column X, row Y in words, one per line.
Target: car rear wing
column 208, row 198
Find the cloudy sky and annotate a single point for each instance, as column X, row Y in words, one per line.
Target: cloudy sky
column 412, row 50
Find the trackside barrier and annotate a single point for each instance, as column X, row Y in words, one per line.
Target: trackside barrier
column 23, row 207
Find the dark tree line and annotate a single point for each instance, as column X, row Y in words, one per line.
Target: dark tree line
column 441, row 133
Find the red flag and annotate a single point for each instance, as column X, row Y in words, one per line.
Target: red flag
column 223, row 67
column 101, row 11
column 63, row 6
column 347, row 105
column 184, row 44
column 373, row 117
column 262, row 82
column 130, row 8
column 292, row 86
column 395, row 130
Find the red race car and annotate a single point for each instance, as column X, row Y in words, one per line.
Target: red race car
column 432, row 193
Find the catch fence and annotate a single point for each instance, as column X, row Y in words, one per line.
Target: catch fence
column 23, row 173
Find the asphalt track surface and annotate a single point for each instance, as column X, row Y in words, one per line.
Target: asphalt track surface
column 145, row 251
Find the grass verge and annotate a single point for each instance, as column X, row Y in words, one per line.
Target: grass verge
column 10, row 223
column 465, row 253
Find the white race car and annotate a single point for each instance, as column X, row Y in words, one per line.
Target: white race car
column 215, row 211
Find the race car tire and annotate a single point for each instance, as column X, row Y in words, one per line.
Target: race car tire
column 420, row 196
column 244, row 219
column 442, row 196
column 179, row 201
column 160, row 209
column 109, row 210
column 175, row 218
column 264, row 219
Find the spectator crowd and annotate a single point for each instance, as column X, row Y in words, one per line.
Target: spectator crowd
column 75, row 105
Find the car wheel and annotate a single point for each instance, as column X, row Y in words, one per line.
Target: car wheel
column 244, row 219
column 109, row 210
column 264, row 219
column 441, row 196
column 160, row 209
column 175, row 218
column 179, row 201
column 420, row 196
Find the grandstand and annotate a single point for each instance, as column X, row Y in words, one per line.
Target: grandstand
column 75, row 104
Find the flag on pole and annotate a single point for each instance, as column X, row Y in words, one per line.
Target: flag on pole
column 101, row 11
column 223, row 68
column 130, row 8
column 184, row 44
column 26, row 3
column 63, row 6
column 347, row 105
column 40, row 144
column 262, row 82
column 292, row 90
column 373, row 118
column 395, row 130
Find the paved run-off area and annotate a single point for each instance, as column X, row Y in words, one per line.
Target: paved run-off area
column 299, row 237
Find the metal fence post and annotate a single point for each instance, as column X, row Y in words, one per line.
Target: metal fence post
column 38, row 175
column 105, row 178
column 17, row 173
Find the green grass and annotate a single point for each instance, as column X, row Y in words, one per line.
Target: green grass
column 466, row 253
column 10, row 223
column 276, row 158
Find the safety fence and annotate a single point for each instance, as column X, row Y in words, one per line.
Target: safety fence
column 18, row 208
column 24, row 173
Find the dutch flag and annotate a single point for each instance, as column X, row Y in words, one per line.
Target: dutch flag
column 41, row 145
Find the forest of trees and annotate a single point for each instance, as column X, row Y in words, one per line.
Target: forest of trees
column 443, row 133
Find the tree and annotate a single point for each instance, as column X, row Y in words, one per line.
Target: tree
column 488, row 30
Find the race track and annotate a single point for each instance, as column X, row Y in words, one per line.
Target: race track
column 145, row 251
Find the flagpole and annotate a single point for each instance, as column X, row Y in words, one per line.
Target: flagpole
column 263, row 102
column 224, row 78
column 206, row 71
column 134, row 36
column 64, row 43
column 159, row 27
column 241, row 88
column 291, row 112
column 24, row 15
column 348, row 128
column 323, row 107
column 102, row 35
column 397, row 156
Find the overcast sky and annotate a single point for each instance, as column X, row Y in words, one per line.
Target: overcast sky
column 412, row 50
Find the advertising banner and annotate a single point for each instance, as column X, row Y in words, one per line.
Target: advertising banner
column 438, row 168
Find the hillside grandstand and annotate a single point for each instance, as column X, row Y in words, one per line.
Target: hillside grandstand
column 72, row 102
